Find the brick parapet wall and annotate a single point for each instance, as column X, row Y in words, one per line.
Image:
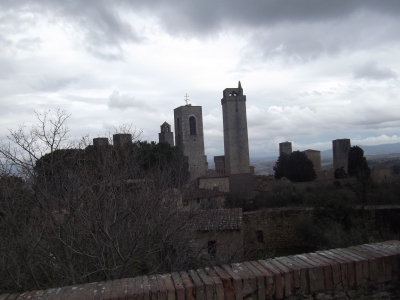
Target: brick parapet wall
column 368, row 271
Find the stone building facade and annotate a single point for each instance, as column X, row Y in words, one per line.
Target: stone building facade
column 219, row 162
column 166, row 135
column 381, row 173
column 190, row 138
column 100, row 141
column 121, row 139
column 273, row 227
column 341, row 148
column 285, row 147
column 220, row 233
column 315, row 157
column 214, row 181
column 201, row 198
column 236, row 143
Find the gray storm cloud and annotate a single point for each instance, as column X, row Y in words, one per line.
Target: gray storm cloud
column 104, row 30
column 371, row 70
column 314, row 69
column 123, row 101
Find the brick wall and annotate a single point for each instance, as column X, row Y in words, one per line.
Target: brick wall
column 368, row 271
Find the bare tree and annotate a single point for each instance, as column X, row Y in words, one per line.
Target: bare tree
column 73, row 213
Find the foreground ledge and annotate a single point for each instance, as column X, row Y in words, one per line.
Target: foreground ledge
column 369, row 271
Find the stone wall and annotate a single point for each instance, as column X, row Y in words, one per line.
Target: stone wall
column 381, row 173
column 278, row 225
column 221, row 183
column 368, row 271
column 315, row 157
column 228, row 243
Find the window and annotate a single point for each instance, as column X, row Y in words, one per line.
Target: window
column 185, row 202
column 192, row 125
column 198, row 200
column 260, row 236
column 212, row 248
column 177, row 125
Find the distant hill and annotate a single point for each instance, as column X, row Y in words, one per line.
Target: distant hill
column 264, row 165
column 379, row 153
column 370, row 150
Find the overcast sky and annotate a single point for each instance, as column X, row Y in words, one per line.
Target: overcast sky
column 312, row 70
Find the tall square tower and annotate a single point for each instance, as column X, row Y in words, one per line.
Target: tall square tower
column 285, row 147
column 236, row 142
column 341, row 149
column 190, row 138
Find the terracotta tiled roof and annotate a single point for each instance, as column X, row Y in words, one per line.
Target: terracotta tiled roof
column 218, row 219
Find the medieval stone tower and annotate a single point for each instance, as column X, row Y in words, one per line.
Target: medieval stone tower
column 341, row 148
column 285, row 147
column 166, row 135
column 189, row 137
column 236, row 142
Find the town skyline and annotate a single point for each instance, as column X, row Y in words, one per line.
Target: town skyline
column 312, row 72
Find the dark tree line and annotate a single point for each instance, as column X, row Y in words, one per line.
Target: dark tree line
column 72, row 213
column 296, row 167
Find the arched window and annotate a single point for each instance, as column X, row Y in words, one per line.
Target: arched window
column 192, row 125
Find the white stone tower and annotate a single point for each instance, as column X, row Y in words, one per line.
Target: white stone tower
column 236, row 142
column 190, row 138
column 166, row 135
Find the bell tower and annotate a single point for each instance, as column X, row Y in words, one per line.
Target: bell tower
column 166, row 136
column 236, row 142
column 190, row 138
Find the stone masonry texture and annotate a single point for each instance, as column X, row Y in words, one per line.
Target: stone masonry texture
column 121, row 139
column 278, row 225
column 285, row 147
column 165, row 135
column 236, row 143
column 369, row 271
column 101, row 141
column 340, row 149
column 192, row 145
column 315, row 157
